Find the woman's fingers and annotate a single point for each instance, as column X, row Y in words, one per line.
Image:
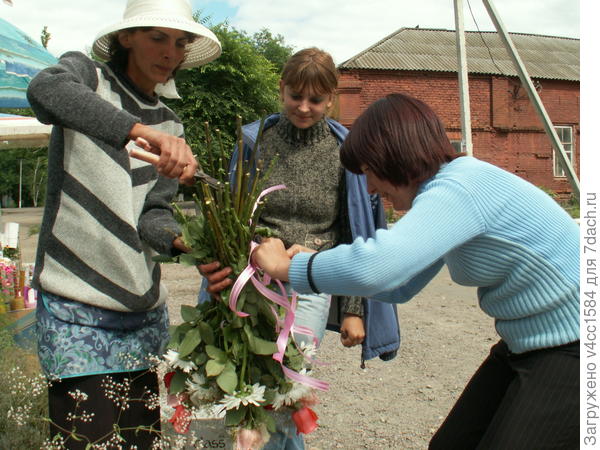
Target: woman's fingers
column 297, row 248
column 271, row 256
column 217, row 279
column 176, row 159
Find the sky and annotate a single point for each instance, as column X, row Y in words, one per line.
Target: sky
column 342, row 27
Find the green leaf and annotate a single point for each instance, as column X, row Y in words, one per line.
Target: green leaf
column 270, row 395
column 187, row 259
column 249, row 334
column 228, row 379
column 214, row 368
column 216, row 353
column 200, row 254
column 200, row 359
column 178, row 382
column 175, row 339
column 190, row 342
column 206, row 332
column 164, row 259
column 251, row 309
column 270, row 423
column 190, row 313
column 234, row 417
column 264, row 417
column 237, row 322
column 261, row 346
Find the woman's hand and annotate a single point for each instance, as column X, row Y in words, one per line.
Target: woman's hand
column 217, row 279
column 179, row 245
column 297, row 248
column 272, row 257
column 352, row 331
column 176, row 159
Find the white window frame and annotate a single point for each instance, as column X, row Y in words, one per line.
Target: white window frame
column 568, row 142
column 457, row 144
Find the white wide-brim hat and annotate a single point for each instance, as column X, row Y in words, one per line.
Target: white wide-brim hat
column 176, row 14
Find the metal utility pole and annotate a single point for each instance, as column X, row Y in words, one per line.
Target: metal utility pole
column 463, row 80
column 533, row 96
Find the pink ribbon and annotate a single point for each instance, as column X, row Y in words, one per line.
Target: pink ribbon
column 285, row 328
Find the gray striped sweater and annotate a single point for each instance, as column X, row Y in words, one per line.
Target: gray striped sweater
column 106, row 215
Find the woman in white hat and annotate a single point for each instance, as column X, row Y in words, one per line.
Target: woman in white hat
column 102, row 310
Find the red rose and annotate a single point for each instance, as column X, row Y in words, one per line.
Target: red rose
column 181, row 419
column 167, row 379
column 305, row 420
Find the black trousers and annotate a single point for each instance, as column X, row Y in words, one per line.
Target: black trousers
column 106, row 413
column 526, row 401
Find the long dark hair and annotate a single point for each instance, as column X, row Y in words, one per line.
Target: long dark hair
column 400, row 139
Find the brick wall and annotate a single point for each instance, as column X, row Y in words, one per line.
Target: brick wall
column 506, row 130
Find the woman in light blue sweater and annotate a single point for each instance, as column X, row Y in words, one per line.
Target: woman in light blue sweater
column 494, row 231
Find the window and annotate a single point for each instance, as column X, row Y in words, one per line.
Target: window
column 565, row 134
column 457, row 146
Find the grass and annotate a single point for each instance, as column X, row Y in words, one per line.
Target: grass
column 23, row 396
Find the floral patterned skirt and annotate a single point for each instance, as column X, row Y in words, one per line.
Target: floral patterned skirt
column 75, row 339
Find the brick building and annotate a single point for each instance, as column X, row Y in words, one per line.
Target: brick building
column 506, row 130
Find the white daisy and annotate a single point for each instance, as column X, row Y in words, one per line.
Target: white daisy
column 297, row 392
column 254, row 394
column 195, row 382
column 175, row 362
column 309, row 350
column 199, row 393
column 230, row 402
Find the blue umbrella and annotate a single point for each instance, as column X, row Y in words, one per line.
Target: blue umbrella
column 21, row 58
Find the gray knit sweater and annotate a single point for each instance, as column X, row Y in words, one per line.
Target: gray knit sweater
column 106, row 215
column 309, row 211
column 306, row 212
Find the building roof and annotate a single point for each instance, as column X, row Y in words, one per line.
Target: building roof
column 423, row 49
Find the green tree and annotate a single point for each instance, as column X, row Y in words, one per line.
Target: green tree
column 37, row 175
column 34, row 164
column 11, row 162
column 45, row 37
column 242, row 81
column 272, row 47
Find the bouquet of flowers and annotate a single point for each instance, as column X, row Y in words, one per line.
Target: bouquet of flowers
column 236, row 356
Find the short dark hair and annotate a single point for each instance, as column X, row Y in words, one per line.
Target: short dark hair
column 311, row 68
column 400, row 139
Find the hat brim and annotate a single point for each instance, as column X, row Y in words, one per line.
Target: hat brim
column 204, row 49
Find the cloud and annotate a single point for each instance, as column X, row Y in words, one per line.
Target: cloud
column 346, row 27
column 342, row 27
